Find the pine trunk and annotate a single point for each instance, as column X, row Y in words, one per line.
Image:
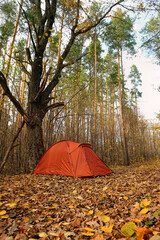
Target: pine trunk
column 125, row 145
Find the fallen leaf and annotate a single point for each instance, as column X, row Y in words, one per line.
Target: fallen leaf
column 12, row 204
column 105, row 218
column 88, row 229
column 128, row 229
column 145, row 202
column 67, row 234
column 54, row 234
column 142, row 233
column 107, row 229
column 99, row 237
column 71, row 206
column 105, row 188
column 42, row 235
column 90, row 212
column 88, row 234
column 156, row 237
column 21, row 236
column 99, row 213
column 3, row 212
column 26, row 220
column 126, row 198
column 144, row 211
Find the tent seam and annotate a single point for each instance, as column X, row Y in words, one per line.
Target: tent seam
column 70, row 161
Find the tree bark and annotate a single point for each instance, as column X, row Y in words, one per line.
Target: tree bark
column 35, row 147
column 124, row 142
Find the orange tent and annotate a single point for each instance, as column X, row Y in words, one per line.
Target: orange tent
column 71, row 159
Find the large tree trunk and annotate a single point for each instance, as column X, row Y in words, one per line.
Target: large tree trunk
column 34, row 143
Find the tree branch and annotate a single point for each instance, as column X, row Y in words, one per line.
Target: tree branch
column 52, row 106
column 74, row 34
column 84, row 30
column 7, row 92
column 43, row 84
column 11, row 146
column 29, row 29
column 74, row 61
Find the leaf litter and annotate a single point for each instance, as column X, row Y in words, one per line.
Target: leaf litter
column 123, row 205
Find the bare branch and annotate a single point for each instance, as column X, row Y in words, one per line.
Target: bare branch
column 54, row 105
column 7, row 92
column 25, row 70
column 11, row 146
column 73, row 61
column 43, row 84
column 30, row 31
column 84, row 30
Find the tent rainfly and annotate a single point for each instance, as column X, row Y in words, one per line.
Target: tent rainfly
column 70, row 158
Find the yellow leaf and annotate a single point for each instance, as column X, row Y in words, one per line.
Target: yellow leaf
column 87, row 233
column 90, row 212
column 145, row 202
column 88, row 229
column 3, row 212
column 12, row 204
column 54, row 205
column 43, row 235
column 21, row 195
column 126, row 198
column 128, row 229
column 144, row 211
column 71, row 206
column 26, row 220
column 99, row 213
column 105, row 219
column 107, row 229
column 5, row 216
column 46, row 34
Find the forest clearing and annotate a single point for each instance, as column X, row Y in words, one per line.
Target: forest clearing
column 122, row 205
column 63, row 78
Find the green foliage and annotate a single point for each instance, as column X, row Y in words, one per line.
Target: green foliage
column 151, row 36
column 19, row 52
column 136, row 81
column 118, row 32
column 8, row 14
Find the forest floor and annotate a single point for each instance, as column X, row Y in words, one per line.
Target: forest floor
column 123, row 205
